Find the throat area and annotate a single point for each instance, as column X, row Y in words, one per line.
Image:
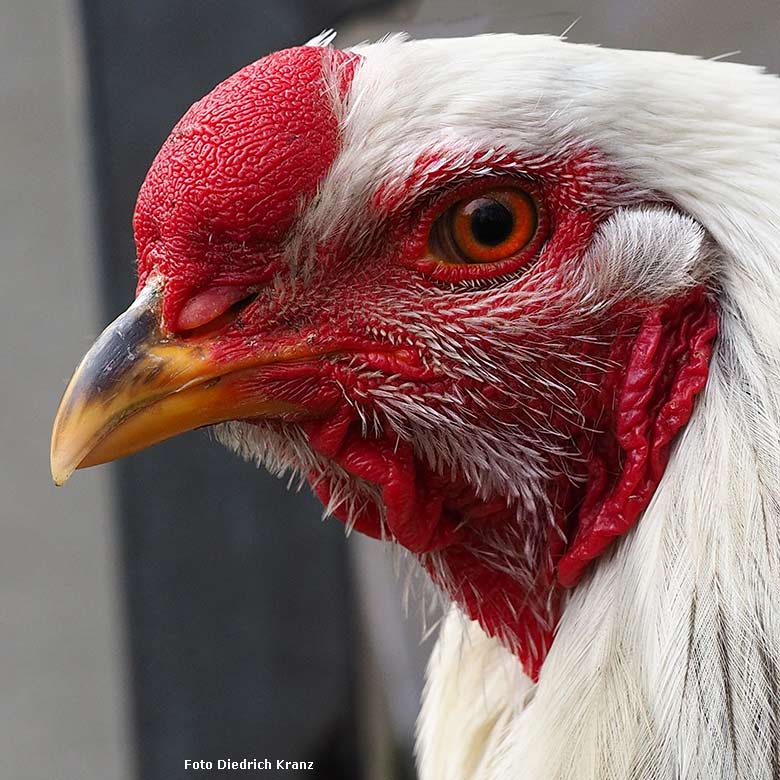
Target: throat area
column 495, row 556
column 506, row 550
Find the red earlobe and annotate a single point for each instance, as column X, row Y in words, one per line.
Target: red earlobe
column 667, row 363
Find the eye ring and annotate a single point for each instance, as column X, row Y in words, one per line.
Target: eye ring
column 485, row 228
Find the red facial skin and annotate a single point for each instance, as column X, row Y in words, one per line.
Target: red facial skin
column 227, row 184
column 212, row 218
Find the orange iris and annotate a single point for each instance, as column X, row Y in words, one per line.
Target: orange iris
column 489, row 227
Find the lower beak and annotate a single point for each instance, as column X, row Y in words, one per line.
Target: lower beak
column 138, row 386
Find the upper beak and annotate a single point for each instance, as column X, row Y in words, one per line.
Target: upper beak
column 138, row 385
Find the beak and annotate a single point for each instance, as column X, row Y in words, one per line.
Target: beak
column 138, row 385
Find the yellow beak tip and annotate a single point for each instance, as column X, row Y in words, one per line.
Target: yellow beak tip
column 60, row 472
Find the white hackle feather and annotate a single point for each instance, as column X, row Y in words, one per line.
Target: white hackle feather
column 666, row 662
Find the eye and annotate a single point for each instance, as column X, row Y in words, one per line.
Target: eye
column 484, row 229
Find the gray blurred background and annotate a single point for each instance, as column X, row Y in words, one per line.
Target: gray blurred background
column 181, row 604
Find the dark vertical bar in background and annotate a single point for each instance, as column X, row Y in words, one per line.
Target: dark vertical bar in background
column 239, row 603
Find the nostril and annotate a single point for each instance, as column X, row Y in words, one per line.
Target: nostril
column 207, row 306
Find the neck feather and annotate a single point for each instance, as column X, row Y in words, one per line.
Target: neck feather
column 666, row 662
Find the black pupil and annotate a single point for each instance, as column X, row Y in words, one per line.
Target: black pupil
column 491, row 222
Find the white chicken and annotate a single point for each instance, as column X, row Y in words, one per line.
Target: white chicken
column 471, row 289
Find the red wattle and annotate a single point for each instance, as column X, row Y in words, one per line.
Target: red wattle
column 660, row 367
column 413, row 508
